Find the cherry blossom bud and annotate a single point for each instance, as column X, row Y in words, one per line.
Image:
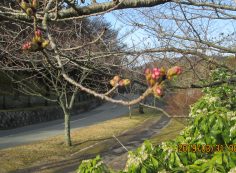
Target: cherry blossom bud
column 162, row 71
column 45, row 43
column 176, row 70
column 147, row 71
column 112, row 82
column 151, row 82
column 34, row 4
column 148, row 76
column 38, row 33
column 116, row 79
column 29, row 11
column 24, row 5
column 26, row 46
column 158, row 90
column 121, row 82
column 126, row 81
column 153, row 76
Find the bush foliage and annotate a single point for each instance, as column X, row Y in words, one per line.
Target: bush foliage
column 209, row 139
column 95, row 165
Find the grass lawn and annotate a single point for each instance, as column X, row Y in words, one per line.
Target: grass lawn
column 53, row 149
column 174, row 127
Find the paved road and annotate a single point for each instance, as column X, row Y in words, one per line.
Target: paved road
column 32, row 133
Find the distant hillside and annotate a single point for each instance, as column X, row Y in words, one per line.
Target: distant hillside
column 195, row 69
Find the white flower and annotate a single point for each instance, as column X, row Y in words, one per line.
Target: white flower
column 200, row 136
column 188, row 139
column 144, row 156
column 233, row 170
column 232, row 129
column 199, row 111
column 182, row 132
column 231, row 115
column 213, row 99
column 132, row 160
column 98, row 164
column 164, row 146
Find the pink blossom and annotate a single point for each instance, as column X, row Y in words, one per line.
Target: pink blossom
column 26, row 46
column 178, row 70
column 38, row 33
column 156, row 69
column 157, row 73
column 158, row 91
column 153, row 76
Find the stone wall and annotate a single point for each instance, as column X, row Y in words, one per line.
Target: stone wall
column 13, row 119
column 24, row 101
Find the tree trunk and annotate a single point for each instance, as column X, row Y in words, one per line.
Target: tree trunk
column 67, row 126
column 130, row 114
column 29, row 101
column 45, row 102
column 140, row 109
column 4, row 101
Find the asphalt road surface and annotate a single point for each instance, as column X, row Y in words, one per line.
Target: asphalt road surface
column 32, row 133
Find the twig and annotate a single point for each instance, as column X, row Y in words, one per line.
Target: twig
column 164, row 112
column 120, row 142
column 129, row 112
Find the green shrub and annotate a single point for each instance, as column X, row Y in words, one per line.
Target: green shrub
column 95, row 165
column 142, row 160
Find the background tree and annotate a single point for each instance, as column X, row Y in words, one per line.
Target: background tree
column 34, row 76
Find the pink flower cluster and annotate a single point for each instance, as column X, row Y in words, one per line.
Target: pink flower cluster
column 26, row 46
column 156, row 76
column 152, row 75
column 156, row 73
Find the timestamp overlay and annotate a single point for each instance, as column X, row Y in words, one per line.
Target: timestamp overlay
column 205, row 148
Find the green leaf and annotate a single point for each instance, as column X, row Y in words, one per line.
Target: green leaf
column 220, row 169
column 192, row 156
column 143, row 170
column 154, row 162
column 218, row 159
column 233, row 133
column 172, row 160
column 183, row 158
column 177, row 160
column 211, row 121
column 199, row 162
column 208, row 140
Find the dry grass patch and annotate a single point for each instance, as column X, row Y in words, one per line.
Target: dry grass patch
column 53, row 149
